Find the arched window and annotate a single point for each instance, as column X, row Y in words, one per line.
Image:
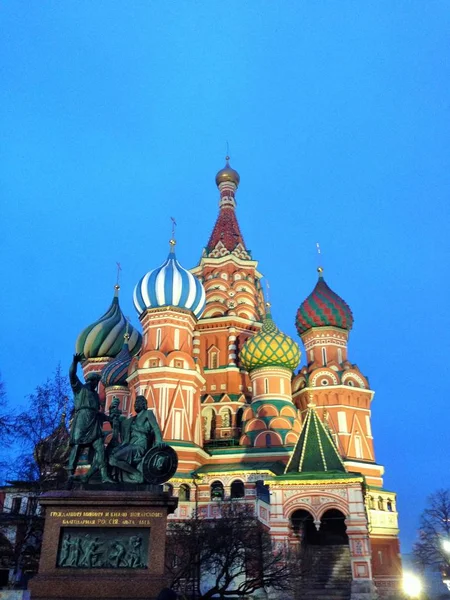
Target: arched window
column 184, row 492
column 217, row 491
column 239, row 417
column 237, row 489
column 213, row 358
column 268, row 440
column 389, row 505
column 380, row 503
column 168, row 487
column 372, row 502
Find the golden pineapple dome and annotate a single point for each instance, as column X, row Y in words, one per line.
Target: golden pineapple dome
column 227, row 174
column 270, row 348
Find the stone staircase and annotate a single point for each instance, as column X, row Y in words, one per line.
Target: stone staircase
column 328, row 575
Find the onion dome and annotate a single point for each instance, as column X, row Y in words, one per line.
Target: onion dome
column 116, row 371
column 270, row 348
column 323, row 308
column 104, row 338
column 170, row 285
column 227, row 174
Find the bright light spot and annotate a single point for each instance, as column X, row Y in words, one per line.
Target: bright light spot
column 446, row 546
column 412, row 586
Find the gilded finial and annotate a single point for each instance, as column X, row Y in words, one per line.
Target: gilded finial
column 172, row 241
column 117, row 286
column 319, row 267
column 126, row 336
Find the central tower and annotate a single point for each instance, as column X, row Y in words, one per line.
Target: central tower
column 234, row 311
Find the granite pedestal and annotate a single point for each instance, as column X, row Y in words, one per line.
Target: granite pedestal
column 103, row 544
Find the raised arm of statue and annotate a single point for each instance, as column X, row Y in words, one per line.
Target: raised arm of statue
column 74, row 381
column 154, row 424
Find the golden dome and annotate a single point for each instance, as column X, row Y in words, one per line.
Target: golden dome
column 227, row 174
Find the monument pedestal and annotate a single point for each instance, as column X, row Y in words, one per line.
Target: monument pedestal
column 103, row 544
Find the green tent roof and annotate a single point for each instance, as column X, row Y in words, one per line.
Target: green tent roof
column 315, row 450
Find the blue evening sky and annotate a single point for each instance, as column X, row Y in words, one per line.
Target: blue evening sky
column 115, row 116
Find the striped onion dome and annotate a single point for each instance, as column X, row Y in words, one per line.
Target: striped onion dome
column 104, row 338
column 323, row 308
column 270, row 348
column 116, row 371
column 170, row 285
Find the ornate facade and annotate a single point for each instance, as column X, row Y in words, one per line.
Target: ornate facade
column 221, row 379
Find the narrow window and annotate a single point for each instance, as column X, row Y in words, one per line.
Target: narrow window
column 324, row 356
column 266, row 386
column 342, row 422
column 389, row 505
column 311, row 355
column 281, row 386
column 268, row 440
column 177, row 424
column 176, row 339
column 158, row 338
column 368, row 426
column 213, row 360
column 339, row 355
column 358, row 447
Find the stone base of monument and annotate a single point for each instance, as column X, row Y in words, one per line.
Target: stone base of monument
column 103, row 544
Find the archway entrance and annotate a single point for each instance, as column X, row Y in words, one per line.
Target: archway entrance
column 333, row 531
column 324, row 554
column 303, row 528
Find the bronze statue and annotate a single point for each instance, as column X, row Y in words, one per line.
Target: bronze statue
column 136, row 452
column 138, row 434
column 86, row 428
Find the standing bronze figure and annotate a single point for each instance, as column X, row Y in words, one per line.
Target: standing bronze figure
column 86, row 428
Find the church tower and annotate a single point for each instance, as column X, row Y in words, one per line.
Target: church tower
column 234, row 310
column 335, row 385
column 271, row 420
column 169, row 301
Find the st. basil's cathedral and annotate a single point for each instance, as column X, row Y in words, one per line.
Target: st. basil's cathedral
column 221, row 379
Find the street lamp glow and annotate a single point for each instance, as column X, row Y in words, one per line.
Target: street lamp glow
column 446, row 546
column 412, row 586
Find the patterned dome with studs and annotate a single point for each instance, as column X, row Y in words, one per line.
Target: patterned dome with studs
column 270, row 348
column 323, row 308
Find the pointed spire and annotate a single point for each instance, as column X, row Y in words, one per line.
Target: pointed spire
column 315, row 450
column 226, row 231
